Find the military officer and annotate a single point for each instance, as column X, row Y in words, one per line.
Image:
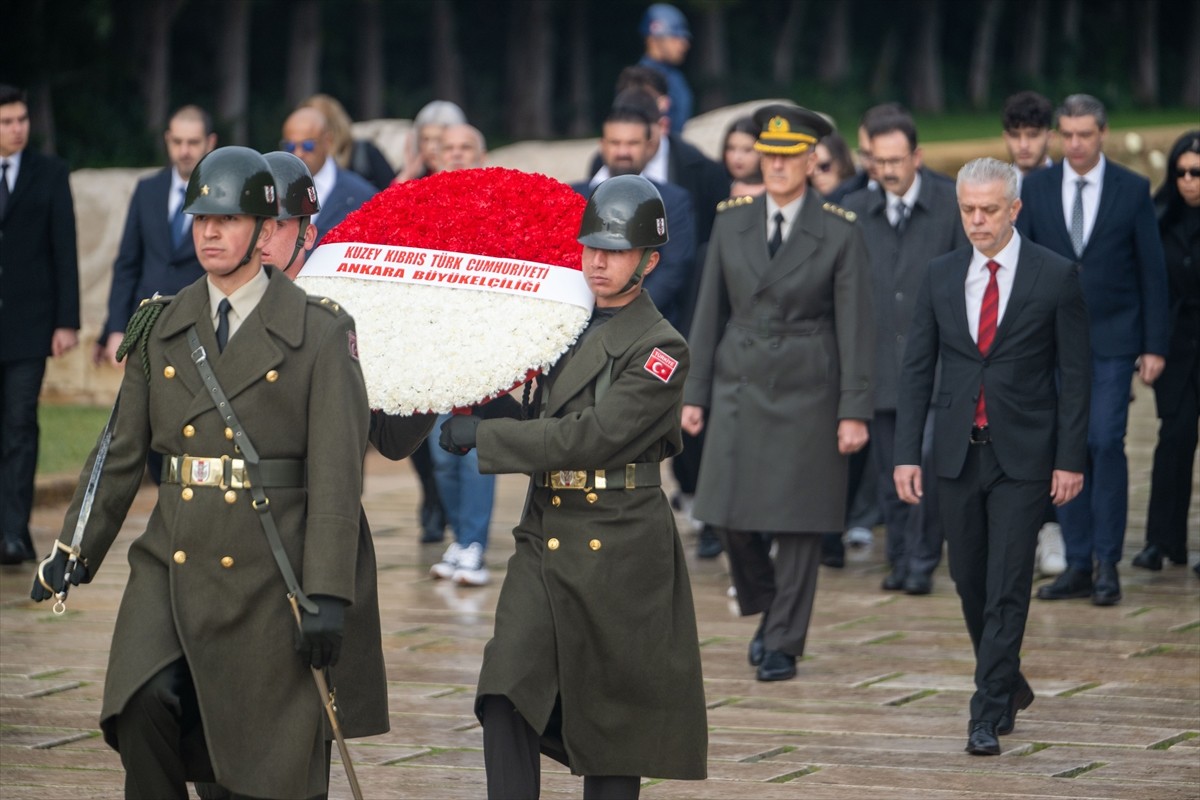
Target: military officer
column 782, row 355
column 595, row 659
column 204, row 681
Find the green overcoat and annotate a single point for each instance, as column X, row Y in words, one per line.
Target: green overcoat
column 202, row 582
column 596, row 608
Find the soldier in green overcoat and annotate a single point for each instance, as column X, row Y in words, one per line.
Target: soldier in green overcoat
column 595, row 659
column 204, row 680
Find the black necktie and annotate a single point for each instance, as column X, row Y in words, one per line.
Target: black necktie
column 777, row 239
column 901, row 217
column 3, row 188
column 223, row 324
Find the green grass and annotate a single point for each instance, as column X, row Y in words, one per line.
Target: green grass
column 68, row 435
column 952, row 127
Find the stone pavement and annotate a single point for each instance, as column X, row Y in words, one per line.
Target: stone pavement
column 879, row 709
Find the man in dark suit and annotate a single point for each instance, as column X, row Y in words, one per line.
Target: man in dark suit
column 1003, row 318
column 782, row 350
column 865, row 178
column 1099, row 214
column 908, row 221
column 624, row 150
column 156, row 253
column 306, row 134
column 39, row 307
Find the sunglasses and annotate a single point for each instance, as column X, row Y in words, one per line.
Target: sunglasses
column 824, row 166
column 308, row 145
column 1190, row 171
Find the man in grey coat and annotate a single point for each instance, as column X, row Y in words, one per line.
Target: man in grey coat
column 910, row 219
column 782, row 353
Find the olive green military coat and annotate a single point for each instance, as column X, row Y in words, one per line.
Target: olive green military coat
column 202, row 583
column 782, row 349
column 596, row 607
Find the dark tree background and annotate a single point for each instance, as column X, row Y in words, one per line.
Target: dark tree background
column 103, row 75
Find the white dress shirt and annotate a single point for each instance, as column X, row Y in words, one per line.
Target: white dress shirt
column 1091, row 195
column 323, row 182
column 909, row 199
column 789, row 215
column 14, row 166
column 977, row 281
column 241, row 303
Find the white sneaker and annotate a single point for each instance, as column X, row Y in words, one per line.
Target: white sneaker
column 444, row 569
column 1051, row 557
column 471, row 570
column 859, row 537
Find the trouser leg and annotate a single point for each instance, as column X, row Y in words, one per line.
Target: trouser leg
column 150, row 730
column 20, row 384
column 796, row 568
column 611, row 787
column 750, row 569
column 1171, row 480
column 896, row 512
column 511, row 755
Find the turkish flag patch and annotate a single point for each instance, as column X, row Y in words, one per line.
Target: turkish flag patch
column 661, row 365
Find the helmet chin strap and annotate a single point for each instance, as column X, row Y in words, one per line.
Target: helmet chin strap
column 258, row 224
column 636, row 277
column 303, row 226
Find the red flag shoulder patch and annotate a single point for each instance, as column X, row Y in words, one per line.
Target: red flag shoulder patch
column 661, row 365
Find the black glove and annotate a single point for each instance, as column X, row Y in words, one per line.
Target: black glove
column 319, row 637
column 458, row 434
column 503, row 407
column 53, row 573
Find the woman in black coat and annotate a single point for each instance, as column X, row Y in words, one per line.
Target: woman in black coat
column 1177, row 391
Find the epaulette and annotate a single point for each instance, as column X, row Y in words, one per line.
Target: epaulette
column 324, row 302
column 138, row 329
column 734, row 202
column 833, row 208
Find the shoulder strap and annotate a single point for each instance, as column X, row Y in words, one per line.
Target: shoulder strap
column 261, row 502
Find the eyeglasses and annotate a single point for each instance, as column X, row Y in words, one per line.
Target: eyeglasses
column 824, row 166
column 308, row 145
column 1190, row 171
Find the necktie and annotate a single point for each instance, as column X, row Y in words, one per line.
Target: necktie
column 223, row 324
column 1077, row 218
column 177, row 220
column 3, row 188
column 988, row 311
column 776, row 239
column 901, row 217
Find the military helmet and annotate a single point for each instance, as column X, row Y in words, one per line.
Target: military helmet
column 293, row 185
column 232, row 180
column 624, row 213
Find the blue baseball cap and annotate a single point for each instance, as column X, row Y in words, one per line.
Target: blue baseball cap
column 662, row 19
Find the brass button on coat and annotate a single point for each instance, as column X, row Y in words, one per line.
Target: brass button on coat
column 552, row 544
column 231, row 497
column 229, row 433
column 179, row 556
column 189, row 431
column 187, row 493
column 168, row 371
column 556, row 501
column 227, row 562
column 594, row 544
column 272, row 376
column 592, row 497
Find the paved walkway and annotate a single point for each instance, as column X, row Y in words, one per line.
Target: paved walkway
column 879, row 709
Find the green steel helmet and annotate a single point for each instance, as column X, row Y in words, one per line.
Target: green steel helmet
column 232, row 180
column 293, row 185
column 624, row 213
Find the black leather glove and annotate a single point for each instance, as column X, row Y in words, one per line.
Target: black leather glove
column 319, row 637
column 458, row 434
column 503, row 407
column 54, row 574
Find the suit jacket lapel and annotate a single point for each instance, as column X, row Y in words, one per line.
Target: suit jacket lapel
column 1028, row 267
column 956, row 288
column 158, row 216
column 1058, row 213
column 752, row 239
column 30, row 164
column 614, row 338
column 1108, row 197
column 807, row 231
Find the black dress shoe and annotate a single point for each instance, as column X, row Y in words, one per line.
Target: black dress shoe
column 982, row 740
column 894, row 581
column 709, row 544
column 1020, row 700
column 1150, row 558
column 1072, row 583
column 777, row 666
column 918, row 584
column 12, row 553
column 833, row 552
column 1107, row 591
column 758, row 647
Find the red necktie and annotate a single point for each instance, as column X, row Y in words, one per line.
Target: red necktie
column 988, row 311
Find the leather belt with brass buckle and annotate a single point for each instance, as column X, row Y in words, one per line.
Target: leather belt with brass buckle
column 631, row 476
column 225, row 472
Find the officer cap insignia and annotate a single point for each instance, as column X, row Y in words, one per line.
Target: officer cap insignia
column 204, row 190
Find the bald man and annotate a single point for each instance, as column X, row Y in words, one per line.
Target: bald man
column 306, row 134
